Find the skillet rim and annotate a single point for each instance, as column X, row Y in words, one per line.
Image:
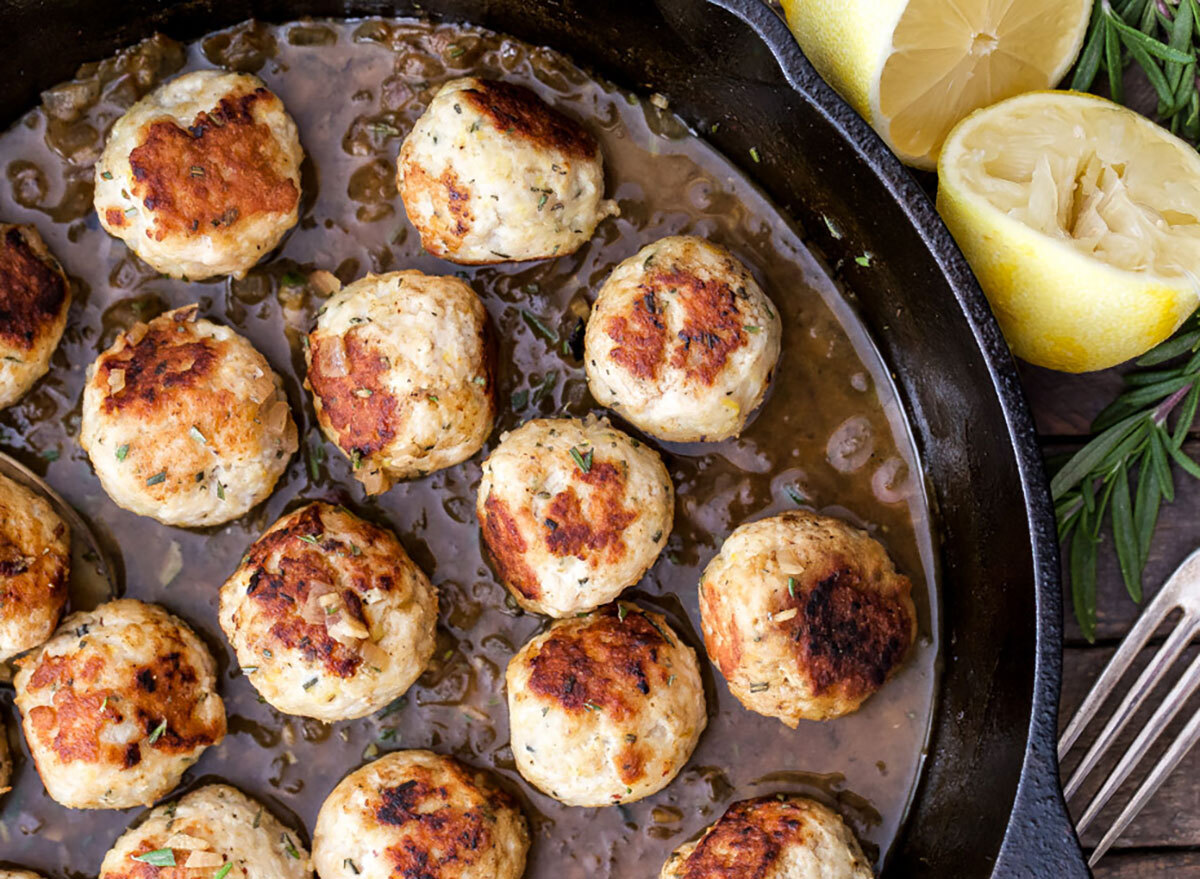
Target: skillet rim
column 1040, row 834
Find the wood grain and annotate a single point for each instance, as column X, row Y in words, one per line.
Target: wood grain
column 1149, row 865
column 1064, row 405
column 1175, row 538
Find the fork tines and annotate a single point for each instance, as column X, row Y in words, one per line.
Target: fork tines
column 1180, row 592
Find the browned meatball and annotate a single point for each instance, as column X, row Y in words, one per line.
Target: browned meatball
column 185, row 421
column 419, row 814
column 35, row 562
column 117, row 705
column 401, row 369
column 573, row 512
column 490, row 173
column 34, row 299
column 805, row 616
column 329, row 616
column 780, row 837
column 605, row 708
column 202, row 176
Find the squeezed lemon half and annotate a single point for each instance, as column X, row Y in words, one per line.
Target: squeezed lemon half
column 1081, row 220
column 914, row 68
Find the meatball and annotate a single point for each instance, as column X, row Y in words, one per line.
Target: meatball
column 573, row 512
column 34, row 299
column 780, row 837
column 805, row 616
column 213, row 831
column 401, row 368
column 682, row 341
column 416, row 813
column 202, row 176
column 117, row 705
column 329, row 616
column 185, row 421
column 490, row 173
column 35, row 562
column 605, row 708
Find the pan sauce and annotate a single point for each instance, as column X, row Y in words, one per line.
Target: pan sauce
column 830, row 436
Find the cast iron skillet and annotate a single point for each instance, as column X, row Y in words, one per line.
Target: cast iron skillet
column 989, row 802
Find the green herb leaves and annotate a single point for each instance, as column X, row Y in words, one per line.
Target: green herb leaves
column 583, row 460
column 539, row 328
column 1124, row 473
column 1162, row 39
column 160, row 857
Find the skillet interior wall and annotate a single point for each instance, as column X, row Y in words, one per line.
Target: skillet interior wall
column 720, row 72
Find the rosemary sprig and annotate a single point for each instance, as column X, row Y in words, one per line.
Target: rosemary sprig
column 1133, row 443
column 1161, row 37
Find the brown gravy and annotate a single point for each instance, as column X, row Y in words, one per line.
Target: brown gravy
column 831, row 436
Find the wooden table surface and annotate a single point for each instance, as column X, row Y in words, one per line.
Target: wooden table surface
column 1164, row 840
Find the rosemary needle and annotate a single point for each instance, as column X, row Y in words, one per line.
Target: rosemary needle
column 1123, row 474
column 1160, row 36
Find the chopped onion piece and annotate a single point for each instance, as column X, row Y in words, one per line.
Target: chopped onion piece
column 187, row 842
column 277, row 417
column 374, row 656
column 347, row 630
column 136, row 333
column 325, row 283
column 206, row 860
column 373, row 481
column 334, row 351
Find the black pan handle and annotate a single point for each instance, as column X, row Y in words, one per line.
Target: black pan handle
column 1041, row 840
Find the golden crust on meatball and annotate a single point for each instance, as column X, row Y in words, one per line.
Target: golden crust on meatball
column 682, row 341
column 185, row 421
column 805, row 616
column 35, row 297
column 117, row 705
column 419, row 814
column 202, row 176
column 329, row 616
column 215, row 830
column 491, row 173
column 605, row 708
column 573, row 512
column 35, row 564
column 401, row 367
column 780, row 837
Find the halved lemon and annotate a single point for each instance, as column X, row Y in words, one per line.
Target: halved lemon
column 914, row 68
column 1081, row 220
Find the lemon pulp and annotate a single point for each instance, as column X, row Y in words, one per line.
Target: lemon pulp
column 1081, row 220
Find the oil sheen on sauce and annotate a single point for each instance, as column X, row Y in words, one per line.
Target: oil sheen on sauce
column 830, row 437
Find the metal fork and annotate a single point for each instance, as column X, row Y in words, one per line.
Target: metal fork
column 1182, row 592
